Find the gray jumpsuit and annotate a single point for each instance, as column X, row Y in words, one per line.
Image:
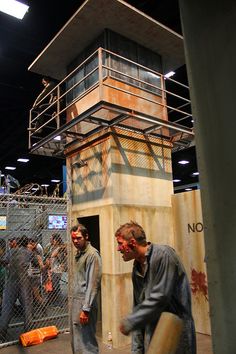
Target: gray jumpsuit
column 86, row 285
column 163, row 287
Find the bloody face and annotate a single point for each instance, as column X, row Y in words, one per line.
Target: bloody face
column 32, row 245
column 12, row 243
column 78, row 240
column 125, row 247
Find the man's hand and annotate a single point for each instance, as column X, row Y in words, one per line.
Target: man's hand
column 122, row 330
column 84, row 317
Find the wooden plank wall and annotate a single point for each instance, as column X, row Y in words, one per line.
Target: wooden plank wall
column 189, row 243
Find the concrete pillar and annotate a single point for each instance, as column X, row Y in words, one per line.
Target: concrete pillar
column 210, row 46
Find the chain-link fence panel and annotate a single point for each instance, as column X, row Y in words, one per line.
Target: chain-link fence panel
column 33, row 264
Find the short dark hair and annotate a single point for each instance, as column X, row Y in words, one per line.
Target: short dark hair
column 57, row 237
column 12, row 238
column 23, row 241
column 46, row 78
column 33, row 240
column 81, row 228
column 132, row 229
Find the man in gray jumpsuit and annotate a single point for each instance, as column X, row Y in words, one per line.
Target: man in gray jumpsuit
column 160, row 284
column 87, row 272
column 17, row 286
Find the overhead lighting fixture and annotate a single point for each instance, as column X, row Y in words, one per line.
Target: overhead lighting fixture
column 44, row 185
column 169, row 74
column 176, row 180
column 58, row 137
column 183, row 162
column 10, row 168
column 195, row 173
column 35, row 189
column 13, row 8
column 20, row 159
column 55, row 180
column 188, row 189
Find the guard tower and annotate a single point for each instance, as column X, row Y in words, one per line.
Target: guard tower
column 116, row 119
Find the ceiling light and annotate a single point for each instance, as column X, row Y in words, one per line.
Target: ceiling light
column 22, row 160
column 44, row 185
column 176, row 180
column 10, row 167
column 169, row 74
column 188, row 189
column 2, row 175
column 55, row 180
column 183, row 162
column 195, row 173
column 57, row 137
column 35, row 189
column 13, row 8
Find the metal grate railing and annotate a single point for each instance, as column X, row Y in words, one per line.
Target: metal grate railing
column 104, row 69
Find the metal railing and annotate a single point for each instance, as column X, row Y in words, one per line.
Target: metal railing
column 167, row 93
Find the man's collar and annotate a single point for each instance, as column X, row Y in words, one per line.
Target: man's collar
column 81, row 252
column 149, row 250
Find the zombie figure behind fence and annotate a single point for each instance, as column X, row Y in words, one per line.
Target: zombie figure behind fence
column 56, row 263
column 36, row 270
column 2, row 270
column 17, row 286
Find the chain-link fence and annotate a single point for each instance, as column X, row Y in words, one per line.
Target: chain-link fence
column 33, row 264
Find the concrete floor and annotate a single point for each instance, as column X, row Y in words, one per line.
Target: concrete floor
column 61, row 345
